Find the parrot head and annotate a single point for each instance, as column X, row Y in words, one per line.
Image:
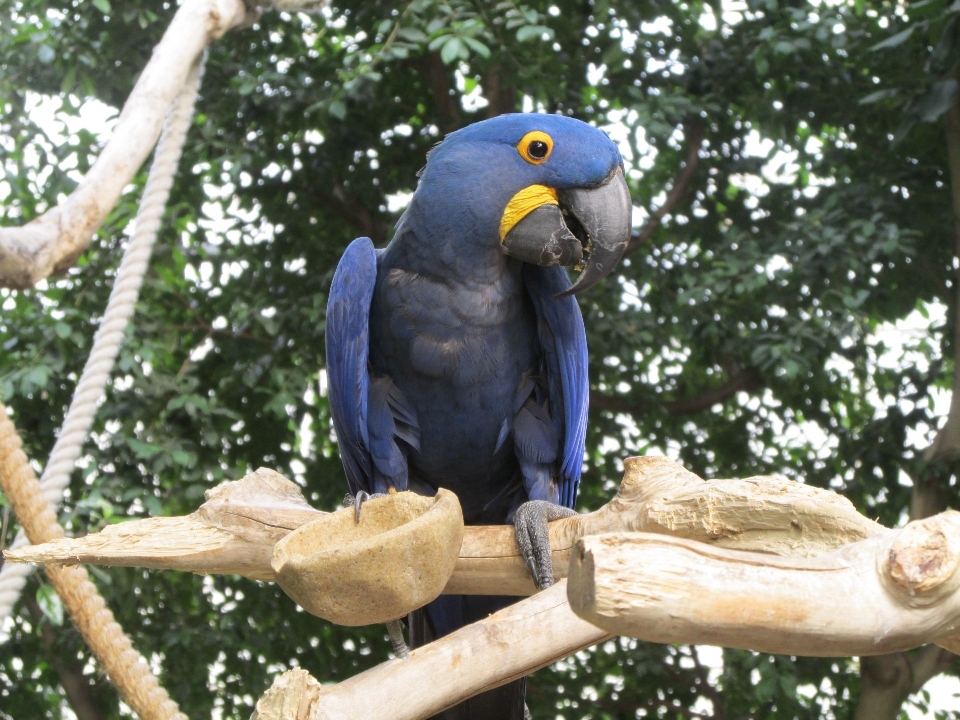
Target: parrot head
column 546, row 189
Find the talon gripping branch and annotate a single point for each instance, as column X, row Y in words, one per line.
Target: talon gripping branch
column 457, row 356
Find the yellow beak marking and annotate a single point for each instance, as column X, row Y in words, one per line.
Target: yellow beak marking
column 524, row 203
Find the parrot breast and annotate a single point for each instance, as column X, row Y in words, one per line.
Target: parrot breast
column 459, row 351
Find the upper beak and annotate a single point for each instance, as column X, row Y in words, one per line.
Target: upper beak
column 589, row 227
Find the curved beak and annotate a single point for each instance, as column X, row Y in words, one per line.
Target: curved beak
column 586, row 227
column 604, row 215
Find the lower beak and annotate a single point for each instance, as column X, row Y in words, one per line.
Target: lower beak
column 590, row 228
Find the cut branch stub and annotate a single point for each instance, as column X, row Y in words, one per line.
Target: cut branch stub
column 293, row 696
column 921, row 562
column 891, row 592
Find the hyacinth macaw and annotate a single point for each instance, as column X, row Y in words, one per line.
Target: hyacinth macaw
column 457, row 357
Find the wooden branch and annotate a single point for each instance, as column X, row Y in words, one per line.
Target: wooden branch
column 697, row 587
column 236, row 529
column 51, row 243
column 748, row 379
column 505, row 646
column 232, row 533
column 890, row 592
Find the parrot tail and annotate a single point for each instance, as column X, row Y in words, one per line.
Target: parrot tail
column 448, row 613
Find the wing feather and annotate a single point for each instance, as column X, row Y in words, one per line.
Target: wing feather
column 348, row 349
column 564, row 342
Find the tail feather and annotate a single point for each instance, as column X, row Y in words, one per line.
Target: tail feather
column 448, row 613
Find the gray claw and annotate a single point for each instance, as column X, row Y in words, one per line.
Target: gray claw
column 395, row 632
column 530, row 521
column 358, row 500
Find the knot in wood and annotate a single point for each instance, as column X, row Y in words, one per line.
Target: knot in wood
column 923, row 558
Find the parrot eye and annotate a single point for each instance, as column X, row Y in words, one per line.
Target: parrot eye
column 535, row 147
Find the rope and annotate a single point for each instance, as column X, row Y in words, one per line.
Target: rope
column 129, row 673
column 106, row 343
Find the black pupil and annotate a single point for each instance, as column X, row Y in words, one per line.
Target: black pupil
column 537, row 149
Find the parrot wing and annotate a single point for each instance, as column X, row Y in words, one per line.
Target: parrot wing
column 564, row 342
column 348, row 348
column 375, row 424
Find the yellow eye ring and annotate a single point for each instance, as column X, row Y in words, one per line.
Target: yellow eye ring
column 535, row 147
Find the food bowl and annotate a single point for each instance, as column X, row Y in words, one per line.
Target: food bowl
column 396, row 559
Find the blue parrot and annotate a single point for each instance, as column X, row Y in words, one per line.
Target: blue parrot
column 457, row 356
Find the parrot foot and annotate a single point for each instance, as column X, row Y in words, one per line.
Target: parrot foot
column 357, row 501
column 530, row 522
column 395, row 632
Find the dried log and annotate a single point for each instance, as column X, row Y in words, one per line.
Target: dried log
column 505, row 646
column 891, row 592
column 235, row 531
column 51, row 243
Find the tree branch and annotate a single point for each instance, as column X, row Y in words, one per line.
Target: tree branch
column 51, row 243
column 695, row 132
column 499, row 91
column 748, row 380
column 930, row 662
column 946, row 445
column 887, row 680
column 340, row 202
column 434, row 73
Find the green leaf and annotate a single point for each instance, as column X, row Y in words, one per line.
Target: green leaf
column 413, row 35
column 337, row 109
column 439, row 41
column 878, row 96
column 532, row 32
column 50, row 604
column 142, row 449
column 102, row 5
column 938, row 99
column 898, row 39
column 452, row 50
column 478, row 47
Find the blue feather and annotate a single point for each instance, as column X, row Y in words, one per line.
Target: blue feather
column 563, row 338
column 369, row 417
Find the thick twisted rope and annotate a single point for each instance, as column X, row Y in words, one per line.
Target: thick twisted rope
column 129, row 673
column 106, row 344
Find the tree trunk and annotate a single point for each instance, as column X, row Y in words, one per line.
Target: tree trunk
column 888, row 680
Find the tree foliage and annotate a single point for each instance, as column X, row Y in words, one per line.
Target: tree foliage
column 788, row 162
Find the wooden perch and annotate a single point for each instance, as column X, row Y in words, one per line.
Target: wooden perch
column 236, row 529
column 891, row 592
column 51, row 243
column 505, row 646
column 798, row 604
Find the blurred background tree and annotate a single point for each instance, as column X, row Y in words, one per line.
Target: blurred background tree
column 789, row 304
